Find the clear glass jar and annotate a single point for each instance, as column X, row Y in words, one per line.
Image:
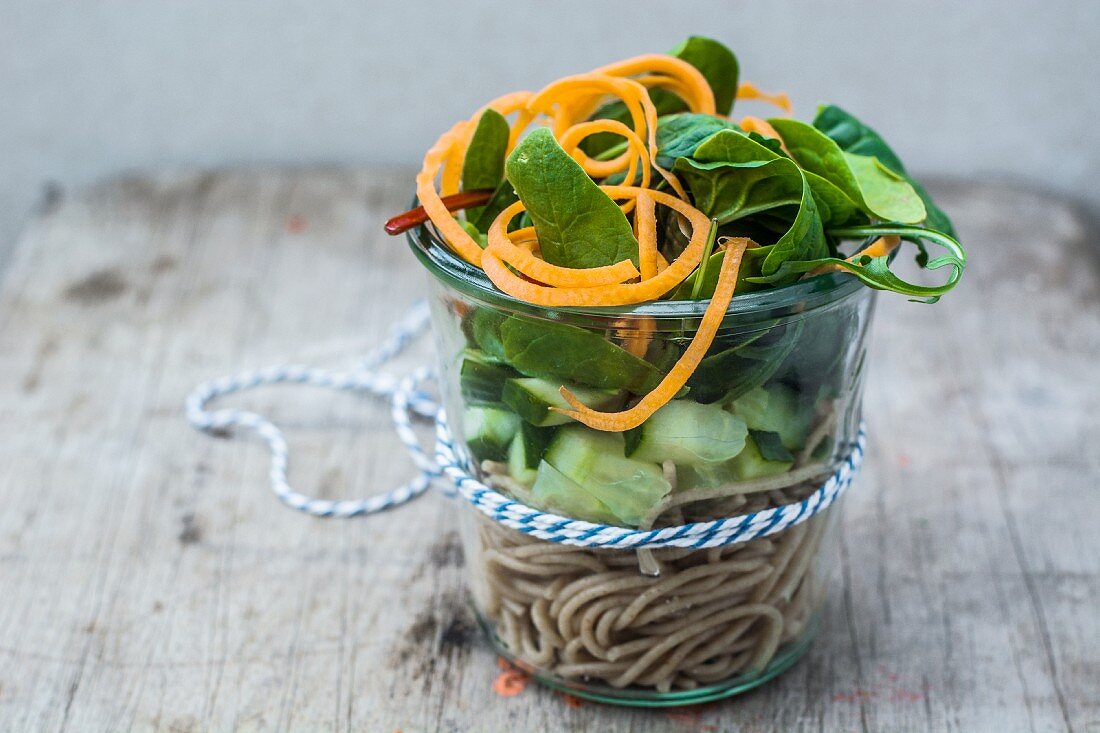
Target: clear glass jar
column 769, row 414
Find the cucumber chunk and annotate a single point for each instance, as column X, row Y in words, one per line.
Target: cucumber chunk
column 776, row 409
column 532, row 399
column 747, row 465
column 595, row 460
column 489, row 431
column 557, row 493
column 751, row 463
column 481, row 379
column 526, row 451
column 689, row 433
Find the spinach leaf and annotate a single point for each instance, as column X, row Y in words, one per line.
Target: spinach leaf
column 678, row 136
column 483, row 166
column 875, row 271
column 885, row 192
column 770, row 445
column 750, row 264
column 481, row 327
column 565, row 353
column 732, row 176
column 737, row 370
column 855, row 137
column 869, row 185
column 716, row 62
column 502, row 198
column 578, row 225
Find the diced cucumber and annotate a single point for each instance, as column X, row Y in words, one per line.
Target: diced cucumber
column 532, row 399
column 489, row 431
column 481, row 379
column 686, row 432
column 776, row 409
column 557, row 493
column 750, row 463
column 596, row 461
column 526, row 452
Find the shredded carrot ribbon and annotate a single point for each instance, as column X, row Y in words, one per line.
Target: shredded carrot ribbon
column 538, row 269
column 621, row 294
column 748, row 91
column 682, row 370
column 512, row 260
column 645, row 224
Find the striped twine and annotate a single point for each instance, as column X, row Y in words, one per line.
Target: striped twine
column 452, row 474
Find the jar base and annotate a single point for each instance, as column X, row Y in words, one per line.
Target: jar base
column 784, row 659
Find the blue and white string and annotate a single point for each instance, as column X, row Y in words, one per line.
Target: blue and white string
column 408, row 399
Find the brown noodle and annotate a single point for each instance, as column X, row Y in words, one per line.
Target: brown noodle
column 664, row 619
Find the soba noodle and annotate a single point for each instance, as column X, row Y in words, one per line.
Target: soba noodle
column 664, row 619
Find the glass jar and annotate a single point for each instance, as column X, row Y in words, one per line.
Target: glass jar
column 770, row 413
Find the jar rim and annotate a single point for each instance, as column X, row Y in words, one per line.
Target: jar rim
column 444, row 265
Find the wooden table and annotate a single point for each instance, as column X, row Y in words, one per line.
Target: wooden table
column 149, row 581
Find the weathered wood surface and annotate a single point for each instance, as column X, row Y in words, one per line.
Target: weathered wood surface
column 150, row 582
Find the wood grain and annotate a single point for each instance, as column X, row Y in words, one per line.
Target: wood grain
column 150, row 582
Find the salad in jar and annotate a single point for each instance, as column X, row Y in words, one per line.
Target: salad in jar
column 651, row 310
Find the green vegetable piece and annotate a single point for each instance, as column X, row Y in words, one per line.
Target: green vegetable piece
column 489, row 431
column 874, row 188
column 532, row 399
column 687, row 432
column 578, row 225
column 526, row 452
column 732, row 176
column 596, row 462
column 556, row 493
column 752, row 464
column 680, row 135
column 480, row 379
column 562, row 353
column 875, row 271
column 503, row 197
column 729, row 374
column 707, row 276
column 483, row 166
column 776, row 409
column 771, row 446
column 715, row 61
column 855, row 137
column 476, row 234
column 482, row 329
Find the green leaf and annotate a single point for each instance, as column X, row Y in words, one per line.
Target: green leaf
column 716, row 63
column 733, row 372
column 483, row 166
column 557, row 351
column 771, row 445
column 870, row 186
column 475, row 234
column 732, row 176
column 707, row 276
column 502, row 198
column 855, row 137
column 875, row 271
column 578, row 225
column 678, row 136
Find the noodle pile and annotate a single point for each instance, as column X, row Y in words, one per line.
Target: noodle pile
column 693, row 618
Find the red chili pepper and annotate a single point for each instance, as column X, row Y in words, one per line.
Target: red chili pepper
column 413, row 217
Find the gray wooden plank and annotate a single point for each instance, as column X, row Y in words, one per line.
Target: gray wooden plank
column 152, row 583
